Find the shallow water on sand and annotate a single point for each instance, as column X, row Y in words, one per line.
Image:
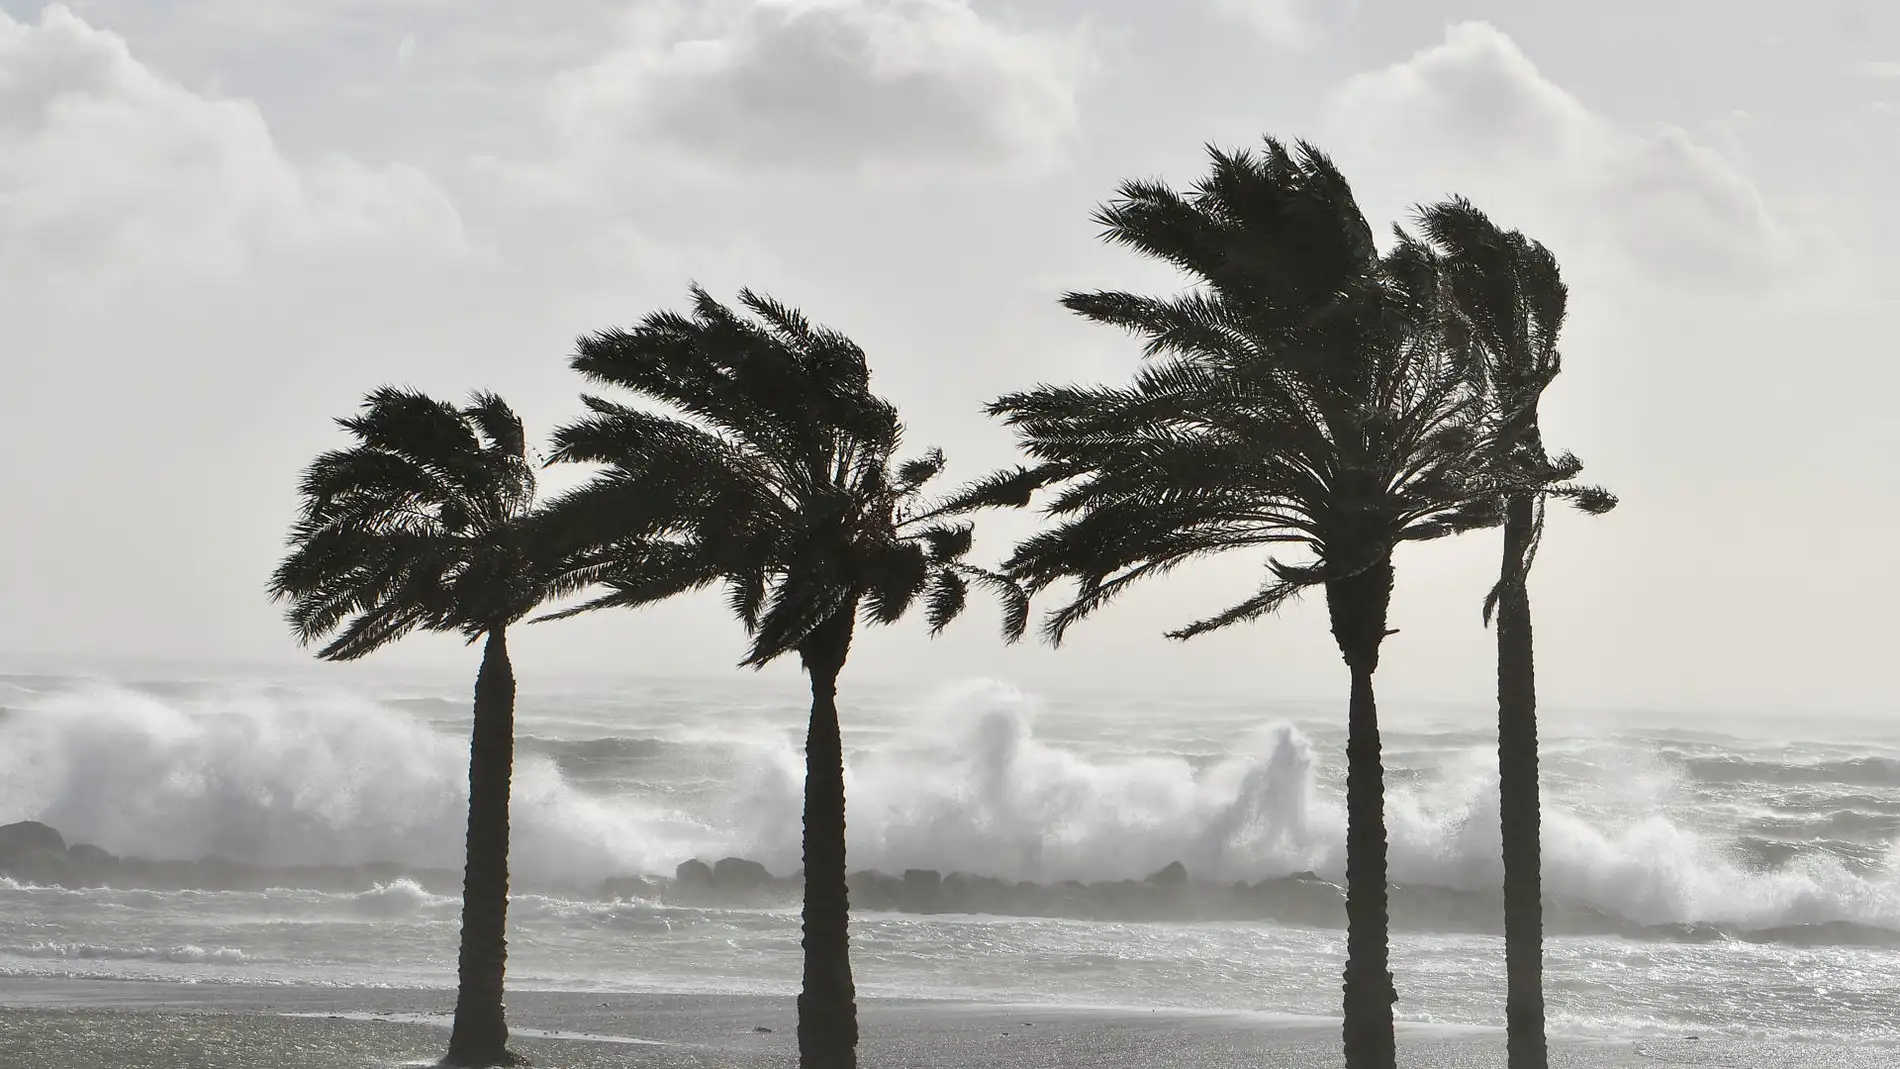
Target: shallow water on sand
column 1790, row 848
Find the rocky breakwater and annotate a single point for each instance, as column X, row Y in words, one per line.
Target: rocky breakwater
column 37, row 854
column 1173, row 895
column 1168, row 895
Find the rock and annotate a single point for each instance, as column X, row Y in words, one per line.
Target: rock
column 923, row 890
column 617, row 887
column 88, row 854
column 90, row 866
column 873, row 890
column 978, row 894
column 1290, row 900
column 736, row 874
column 42, row 868
column 694, row 873
column 1127, row 900
column 1036, row 900
column 29, row 835
column 1174, row 875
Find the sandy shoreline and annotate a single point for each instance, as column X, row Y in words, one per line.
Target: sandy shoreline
column 58, row 1024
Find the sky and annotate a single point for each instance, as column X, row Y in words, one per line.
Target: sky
column 223, row 221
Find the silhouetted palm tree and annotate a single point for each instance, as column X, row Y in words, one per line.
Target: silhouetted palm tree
column 422, row 524
column 1510, row 301
column 1299, row 393
column 775, row 474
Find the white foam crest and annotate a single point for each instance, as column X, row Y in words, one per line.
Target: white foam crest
column 996, row 800
column 991, row 798
column 182, row 955
column 296, row 778
column 399, row 898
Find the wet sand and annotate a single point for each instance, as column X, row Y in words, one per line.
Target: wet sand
column 58, row 1024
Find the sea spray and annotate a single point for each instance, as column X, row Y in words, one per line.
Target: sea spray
column 299, row 777
column 980, row 778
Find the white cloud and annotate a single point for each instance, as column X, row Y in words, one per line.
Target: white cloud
column 1293, row 25
column 1473, row 115
column 107, row 167
column 879, row 86
column 1881, row 68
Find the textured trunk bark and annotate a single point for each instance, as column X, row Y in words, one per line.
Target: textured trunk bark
column 1518, row 804
column 480, row 1035
column 827, row 1006
column 1357, row 605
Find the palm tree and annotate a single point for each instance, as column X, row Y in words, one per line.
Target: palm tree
column 423, row 523
column 774, row 474
column 1300, row 392
column 1510, row 299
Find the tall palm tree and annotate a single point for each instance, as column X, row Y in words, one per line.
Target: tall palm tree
column 1510, row 299
column 423, row 523
column 1300, row 392
column 774, row 473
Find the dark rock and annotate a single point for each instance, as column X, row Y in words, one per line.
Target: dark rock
column 29, row 835
column 43, row 868
column 875, row 891
column 1443, row 909
column 1037, row 900
column 1174, row 875
column 694, row 873
column 90, row 866
column 1291, row 900
column 1128, row 900
column 978, row 894
column 923, row 890
column 616, row 887
column 88, row 854
column 739, row 874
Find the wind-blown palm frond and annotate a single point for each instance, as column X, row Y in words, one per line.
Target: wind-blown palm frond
column 771, row 467
column 1507, row 296
column 1305, row 390
column 423, row 523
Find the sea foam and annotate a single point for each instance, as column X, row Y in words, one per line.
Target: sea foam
column 968, row 781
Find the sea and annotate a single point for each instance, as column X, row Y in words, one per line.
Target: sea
column 1750, row 863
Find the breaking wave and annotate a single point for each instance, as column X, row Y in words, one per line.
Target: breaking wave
column 276, row 777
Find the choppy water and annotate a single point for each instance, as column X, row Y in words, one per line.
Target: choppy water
column 1712, row 821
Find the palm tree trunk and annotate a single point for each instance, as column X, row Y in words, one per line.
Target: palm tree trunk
column 1357, row 604
column 1519, row 815
column 480, row 1036
column 827, row 1006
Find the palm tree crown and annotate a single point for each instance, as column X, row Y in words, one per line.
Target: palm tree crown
column 1301, row 392
column 420, row 524
column 1507, row 302
column 775, row 473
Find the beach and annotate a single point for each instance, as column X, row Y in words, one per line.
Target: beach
column 47, row 1024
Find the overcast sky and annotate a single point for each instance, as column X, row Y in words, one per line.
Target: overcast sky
column 222, row 221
